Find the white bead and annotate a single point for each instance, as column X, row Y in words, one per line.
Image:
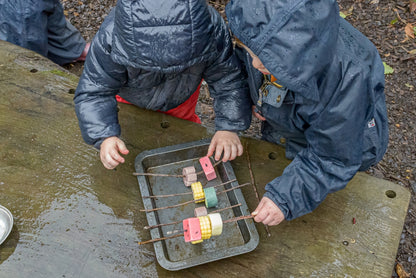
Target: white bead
column 216, row 223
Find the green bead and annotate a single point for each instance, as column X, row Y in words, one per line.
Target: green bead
column 211, row 199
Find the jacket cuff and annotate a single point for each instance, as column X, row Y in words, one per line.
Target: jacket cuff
column 282, row 205
column 97, row 144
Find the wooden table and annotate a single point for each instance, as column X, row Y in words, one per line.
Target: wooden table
column 73, row 218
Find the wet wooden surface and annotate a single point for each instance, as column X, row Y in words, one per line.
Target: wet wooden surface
column 73, row 218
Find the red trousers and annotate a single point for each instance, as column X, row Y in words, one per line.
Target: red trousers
column 184, row 111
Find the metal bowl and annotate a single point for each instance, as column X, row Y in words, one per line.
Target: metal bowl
column 6, row 223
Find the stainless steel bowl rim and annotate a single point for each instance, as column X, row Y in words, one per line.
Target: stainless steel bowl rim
column 5, row 214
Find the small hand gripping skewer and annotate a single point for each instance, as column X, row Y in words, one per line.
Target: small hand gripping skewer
column 197, row 229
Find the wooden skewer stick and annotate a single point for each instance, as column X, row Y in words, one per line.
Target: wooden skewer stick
column 233, row 188
column 230, row 207
column 238, row 218
column 185, row 193
column 191, row 201
column 214, row 165
column 178, row 222
column 157, row 175
column 171, row 175
column 254, row 186
column 159, row 239
column 161, row 225
column 173, row 206
column 178, row 235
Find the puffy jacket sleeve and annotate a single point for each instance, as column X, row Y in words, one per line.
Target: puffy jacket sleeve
column 228, row 85
column 65, row 42
column 334, row 134
column 95, row 102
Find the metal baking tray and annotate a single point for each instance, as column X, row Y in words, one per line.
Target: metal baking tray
column 238, row 237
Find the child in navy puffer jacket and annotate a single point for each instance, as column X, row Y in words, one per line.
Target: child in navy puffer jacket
column 154, row 54
column 318, row 85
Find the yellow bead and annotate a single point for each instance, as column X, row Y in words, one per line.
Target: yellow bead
column 198, row 192
column 206, row 230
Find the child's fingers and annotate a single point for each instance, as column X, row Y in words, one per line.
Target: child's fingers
column 233, row 154
column 108, row 161
column 211, row 148
column 218, row 151
column 116, row 157
column 240, row 150
column 122, row 147
column 260, row 213
column 227, row 154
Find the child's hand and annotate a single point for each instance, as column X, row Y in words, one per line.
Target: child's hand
column 257, row 115
column 109, row 152
column 228, row 142
column 268, row 213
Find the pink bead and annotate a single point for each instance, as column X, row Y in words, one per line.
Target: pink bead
column 200, row 211
column 208, row 168
column 189, row 175
column 191, row 229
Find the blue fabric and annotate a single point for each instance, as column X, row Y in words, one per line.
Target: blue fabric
column 154, row 54
column 335, row 79
column 42, row 27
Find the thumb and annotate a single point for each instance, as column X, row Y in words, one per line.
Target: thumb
column 122, row 147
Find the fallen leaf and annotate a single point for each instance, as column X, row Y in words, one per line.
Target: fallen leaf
column 387, row 69
column 408, row 29
column 409, row 85
column 413, row 51
column 401, row 272
column 344, row 14
column 394, row 21
column 397, row 125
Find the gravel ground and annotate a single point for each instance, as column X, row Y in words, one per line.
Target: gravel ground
column 384, row 23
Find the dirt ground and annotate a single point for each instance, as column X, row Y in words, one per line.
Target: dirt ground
column 389, row 25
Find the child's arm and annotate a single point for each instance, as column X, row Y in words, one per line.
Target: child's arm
column 95, row 102
column 268, row 213
column 227, row 142
column 109, row 152
column 228, row 86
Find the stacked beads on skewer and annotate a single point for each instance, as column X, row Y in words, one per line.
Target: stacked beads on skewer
column 198, row 229
column 204, row 194
column 189, row 175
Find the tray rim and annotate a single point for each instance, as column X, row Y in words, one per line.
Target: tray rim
column 151, row 216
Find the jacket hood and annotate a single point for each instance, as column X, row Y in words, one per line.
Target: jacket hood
column 162, row 35
column 295, row 40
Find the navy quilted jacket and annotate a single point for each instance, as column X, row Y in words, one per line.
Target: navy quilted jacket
column 154, row 54
column 333, row 119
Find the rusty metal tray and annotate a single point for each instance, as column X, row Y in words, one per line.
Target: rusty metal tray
column 238, row 237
